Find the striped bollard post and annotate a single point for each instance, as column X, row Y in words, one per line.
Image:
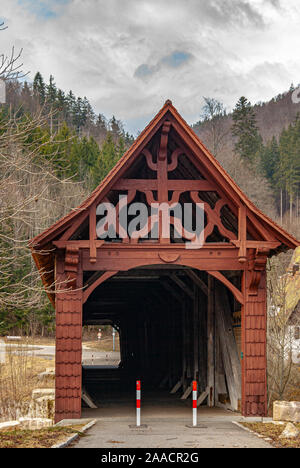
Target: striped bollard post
column 138, row 403
column 194, row 403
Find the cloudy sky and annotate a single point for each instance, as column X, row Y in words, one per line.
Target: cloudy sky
column 129, row 56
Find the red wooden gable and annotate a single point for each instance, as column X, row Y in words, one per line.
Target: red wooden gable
column 168, row 163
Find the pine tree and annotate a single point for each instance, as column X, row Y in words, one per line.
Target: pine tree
column 39, row 87
column 116, row 128
column 51, row 90
column 269, row 161
column 248, row 140
column 288, row 169
column 108, row 157
column 79, row 114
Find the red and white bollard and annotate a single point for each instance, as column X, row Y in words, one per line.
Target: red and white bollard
column 194, row 403
column 138, row 403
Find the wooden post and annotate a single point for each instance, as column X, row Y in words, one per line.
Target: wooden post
column 210, row 343
column 196, row 334
column 68, row 369
column 228, row 346
column 242, row 233
column 92, row 233
column 184, row 347
column 254, row 365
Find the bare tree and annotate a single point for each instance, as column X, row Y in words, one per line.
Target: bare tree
column 32, row 196
column 10, row 66
column 214, row 112
column 281, row 370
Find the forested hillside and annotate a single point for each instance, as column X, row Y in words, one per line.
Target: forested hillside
column 86, row 145
column 54, row 149
column 260, row 147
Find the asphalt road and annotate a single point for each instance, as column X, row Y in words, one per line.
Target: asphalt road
column 89, row 356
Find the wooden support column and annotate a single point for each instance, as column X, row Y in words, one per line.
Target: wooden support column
column 184, row 347
column 68, row 368
column 242, row 234
column 210, row 342
column 228, row 346
column 196, row 331
column 254, row 363
column 92, row 233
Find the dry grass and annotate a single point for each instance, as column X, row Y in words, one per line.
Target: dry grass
column 105, row 344
column 41, row 438
column 18, row 377
column 32, row 340
column 293, row 388
column 273, row 431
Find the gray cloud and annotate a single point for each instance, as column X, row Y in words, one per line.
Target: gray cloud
column 129, row 56
column 174, row 60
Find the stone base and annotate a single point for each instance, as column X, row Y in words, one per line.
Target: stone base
column 290, row 432
column 286, row 411
column 35, row 423
column 9, row 426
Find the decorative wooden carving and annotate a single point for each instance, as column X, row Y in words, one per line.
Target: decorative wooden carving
column 213, row 216
column 257, row 267
column 162, row 155
column 168, row 257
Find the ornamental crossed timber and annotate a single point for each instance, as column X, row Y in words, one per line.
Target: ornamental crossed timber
column 251, row 252
column 163, row 185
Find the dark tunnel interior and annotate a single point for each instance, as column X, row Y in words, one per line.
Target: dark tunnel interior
column 161, row 316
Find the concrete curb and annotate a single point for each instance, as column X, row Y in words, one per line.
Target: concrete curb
column 266, row 439
column 75, row 436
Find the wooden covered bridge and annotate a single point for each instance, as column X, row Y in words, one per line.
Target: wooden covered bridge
column 182, row 313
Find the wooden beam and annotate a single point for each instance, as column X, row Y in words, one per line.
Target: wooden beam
column 90, row 289
column 196, row 333
column 249, row 244
column 93, row 235
column 198, row 281
column 202, row 397
column 176, row 386
column 187, row 392
column 74, row 226
column 210, row 341
column 144, row 185
column 237, row 294
column 265, row 233
column 182, row 285
column 229, row 351
column 169, row 288
column 242, row 234
column 82, row 244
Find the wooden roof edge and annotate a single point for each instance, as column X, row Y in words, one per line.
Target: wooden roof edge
column 37, row 240
column 292, row 242
column 286, row 238
column 36, row 257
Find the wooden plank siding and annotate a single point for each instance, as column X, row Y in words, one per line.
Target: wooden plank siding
column 254, row 365
column 68, row 368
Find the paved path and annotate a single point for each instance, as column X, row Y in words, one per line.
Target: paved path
column 89, row 356
column 217, row 431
